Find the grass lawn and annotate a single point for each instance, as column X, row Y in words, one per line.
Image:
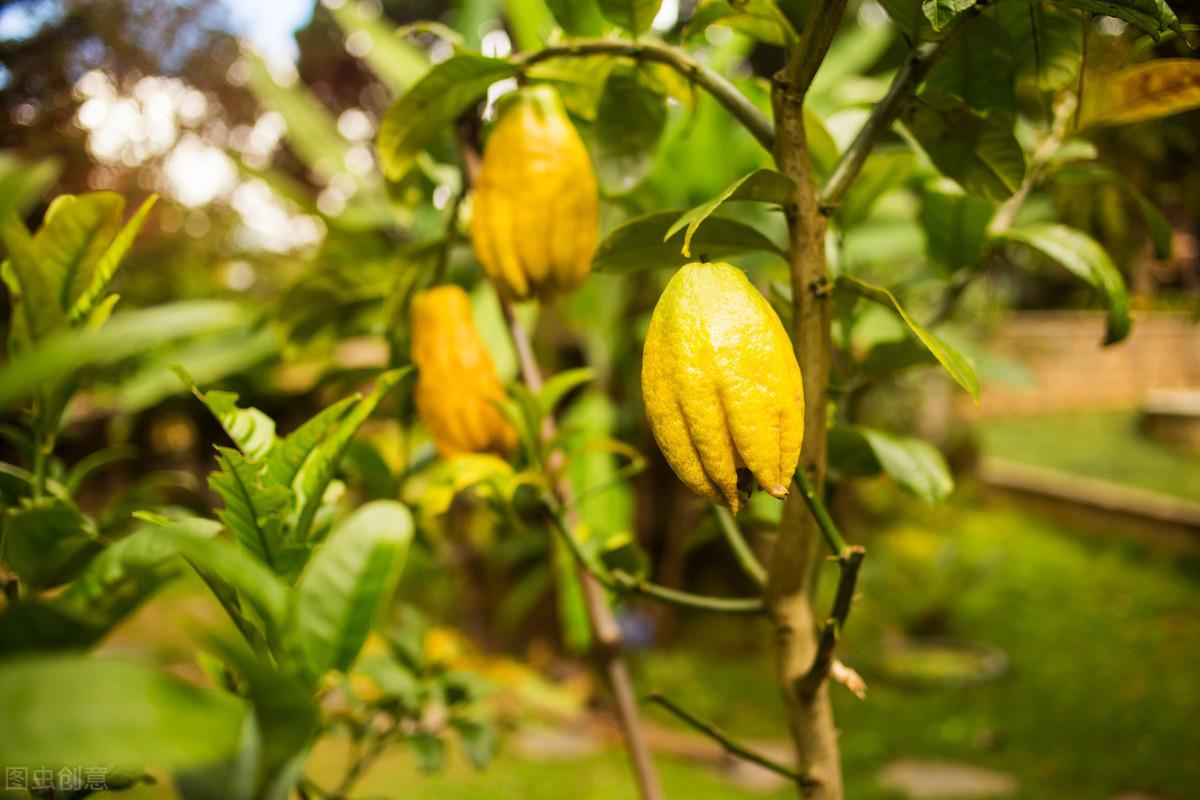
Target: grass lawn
column 1104, row 444
column 1101, row 696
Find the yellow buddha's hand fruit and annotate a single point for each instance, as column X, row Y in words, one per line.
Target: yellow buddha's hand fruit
column 535, row 221
column 721, row 384
column 456, row 381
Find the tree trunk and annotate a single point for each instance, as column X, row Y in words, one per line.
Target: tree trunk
column 792, row 566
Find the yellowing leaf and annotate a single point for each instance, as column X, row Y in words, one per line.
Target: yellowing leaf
column 1148, row 91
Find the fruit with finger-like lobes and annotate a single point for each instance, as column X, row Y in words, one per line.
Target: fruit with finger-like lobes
column 457, row 387
column 535, row 219
column 721, row 384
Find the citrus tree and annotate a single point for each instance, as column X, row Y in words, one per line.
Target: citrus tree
column 987, row 104
column 596, row 164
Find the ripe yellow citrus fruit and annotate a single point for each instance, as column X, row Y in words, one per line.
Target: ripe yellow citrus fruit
column 535, row 222
column 456, row 381
column 721, row 384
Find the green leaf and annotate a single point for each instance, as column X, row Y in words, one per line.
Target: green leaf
column 74, row 235
column 980, row 152
column 644, row 243
column 289, row 455
column 959, row 368
column 908, row 17
column 913, row 464
column 1159, row 228
column 429, row 751
column 940, row 12
column 955, row 225
column 346, row 583
column 397, row 63
column 23, row 181
column 1047, row 44
column 577, row 17
column 560, row 385
column 762, row 186
column 250, row 429
column 630, row 119
column 634, row 16
column 254, row 512
column 71, row 709
column 445, row 92
column 90, row 285
column 763, row 20
column 125, row 335
column 478, row 740
column 1154, row 17
column 236, row 568
column 47, row 542
column 979, row 68
column 35, row 295
column 319, row 468
column 639, row 245
column 1148, row 91
column 883, row 171
column 1082, row 256
column 128, row 562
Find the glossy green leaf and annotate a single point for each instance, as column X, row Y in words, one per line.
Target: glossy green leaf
column 253, row 511
column 638, row 244
column 979, row 152
column 1083, row 257
column 1154, row 17
column 23, row 181
column 250, row 429
column 913, row 464
column 240, row 570
column 630, row 119
column 884, row 170
column 761, row 186
column 940, row 12
column 954, row 362
column 111, row 712
column 908, row 17
column 347, row 581
column 1047, row 44
column 634, row 16
column 322, row 463
column 558, row 386
column 577, row 17
column 35, row 291
column 125, row 335
column 47, row 542
column 293, row 450
column 432, row 105
column 89, row 286
column 979, row 67
column 75, row 233
column 763, row 20
column 955, row 225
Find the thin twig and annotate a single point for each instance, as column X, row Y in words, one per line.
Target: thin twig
column 740, row 547
column 831, row 632
column 624, row 583
column 716, row 84
column 450, row 235
column 730, row 746
column 910, row 75
column 825, row 522
column 823, row 22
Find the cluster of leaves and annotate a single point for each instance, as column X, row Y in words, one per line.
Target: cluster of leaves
column 302, row 581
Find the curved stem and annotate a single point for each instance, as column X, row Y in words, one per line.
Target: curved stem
column 624, row 583
column 716, row 84
column 731, row 747
column 740, row 547
column 821, row 514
